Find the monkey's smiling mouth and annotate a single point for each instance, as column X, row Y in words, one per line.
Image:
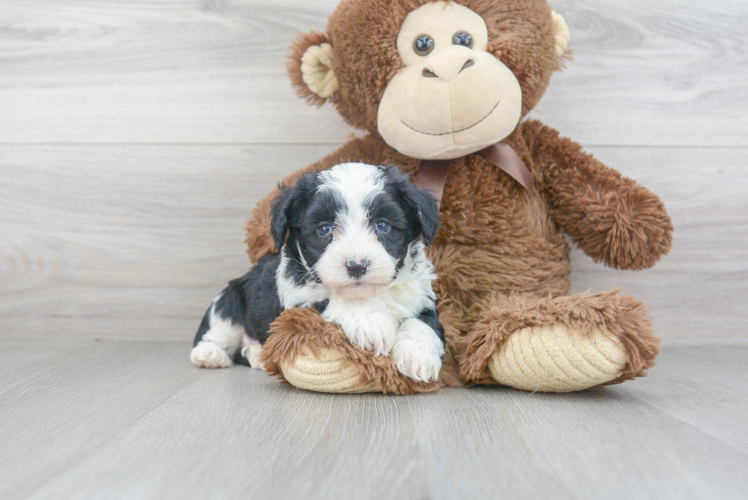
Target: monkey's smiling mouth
column 455, row 131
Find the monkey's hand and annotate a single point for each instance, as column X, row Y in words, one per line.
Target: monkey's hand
column 610, row 217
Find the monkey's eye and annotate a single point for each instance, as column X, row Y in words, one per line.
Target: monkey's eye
column 324, row 229
column 382, row 226
column 423, row 45
column 462, row 38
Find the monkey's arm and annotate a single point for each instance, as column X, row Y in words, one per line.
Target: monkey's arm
column 363, row 149
column 610, row 217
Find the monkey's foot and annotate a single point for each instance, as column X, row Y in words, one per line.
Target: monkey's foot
column 555, row 359
column 561, row 344
column 312, row 354
column 329, row 371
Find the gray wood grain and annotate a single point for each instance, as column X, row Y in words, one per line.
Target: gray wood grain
column 652, row 73
column 706, row 389
column 671, row 72
column 126, row 240
column 134, row 241
column 64, row 409
column 599, row 444
column 116, row 419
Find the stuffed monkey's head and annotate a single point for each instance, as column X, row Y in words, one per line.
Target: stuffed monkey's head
column 434, row 79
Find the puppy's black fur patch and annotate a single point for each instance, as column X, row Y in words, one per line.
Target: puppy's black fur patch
column 250, row 301
column 430, row 316
column 415, row 201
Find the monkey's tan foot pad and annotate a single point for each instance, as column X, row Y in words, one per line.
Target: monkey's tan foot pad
column 329, row 371
column 554, row 358
column 312, row 354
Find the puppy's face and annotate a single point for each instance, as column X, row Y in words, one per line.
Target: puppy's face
column 350, row 227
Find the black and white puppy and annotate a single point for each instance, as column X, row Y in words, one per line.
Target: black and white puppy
column 352, row 242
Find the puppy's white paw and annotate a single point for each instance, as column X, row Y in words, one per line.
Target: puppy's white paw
column 418, row 351
column 208, row 355
column 374, row 331
column 252, row 350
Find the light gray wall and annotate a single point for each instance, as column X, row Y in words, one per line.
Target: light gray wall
column 136, row 136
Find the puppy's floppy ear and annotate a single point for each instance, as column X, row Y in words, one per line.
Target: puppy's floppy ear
column 428, row 212
column 289, row 205
column 419, row 201
column 310, row 67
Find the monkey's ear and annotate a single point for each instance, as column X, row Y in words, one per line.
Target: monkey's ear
column 562, row 36
column 310, row 66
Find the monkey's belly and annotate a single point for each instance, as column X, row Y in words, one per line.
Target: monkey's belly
column 467, row 273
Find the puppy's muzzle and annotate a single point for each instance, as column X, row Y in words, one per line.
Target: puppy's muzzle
column 356, row 269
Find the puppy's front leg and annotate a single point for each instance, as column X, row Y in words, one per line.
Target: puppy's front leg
column 418, row 349
column 366, row 323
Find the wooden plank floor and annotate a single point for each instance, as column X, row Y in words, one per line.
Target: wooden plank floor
column 123, row 419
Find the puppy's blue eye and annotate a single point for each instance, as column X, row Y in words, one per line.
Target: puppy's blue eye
column 462, row 38
column 381, row 226
column 324, row 229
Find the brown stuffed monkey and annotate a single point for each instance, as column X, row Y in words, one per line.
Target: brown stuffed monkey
column 442, row 90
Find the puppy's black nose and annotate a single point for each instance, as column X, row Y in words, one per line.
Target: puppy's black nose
column 356, row 269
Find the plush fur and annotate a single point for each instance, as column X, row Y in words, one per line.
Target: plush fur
column 298, row 330
column 500, row 254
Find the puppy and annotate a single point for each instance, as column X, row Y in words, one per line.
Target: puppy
column 352, row 241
